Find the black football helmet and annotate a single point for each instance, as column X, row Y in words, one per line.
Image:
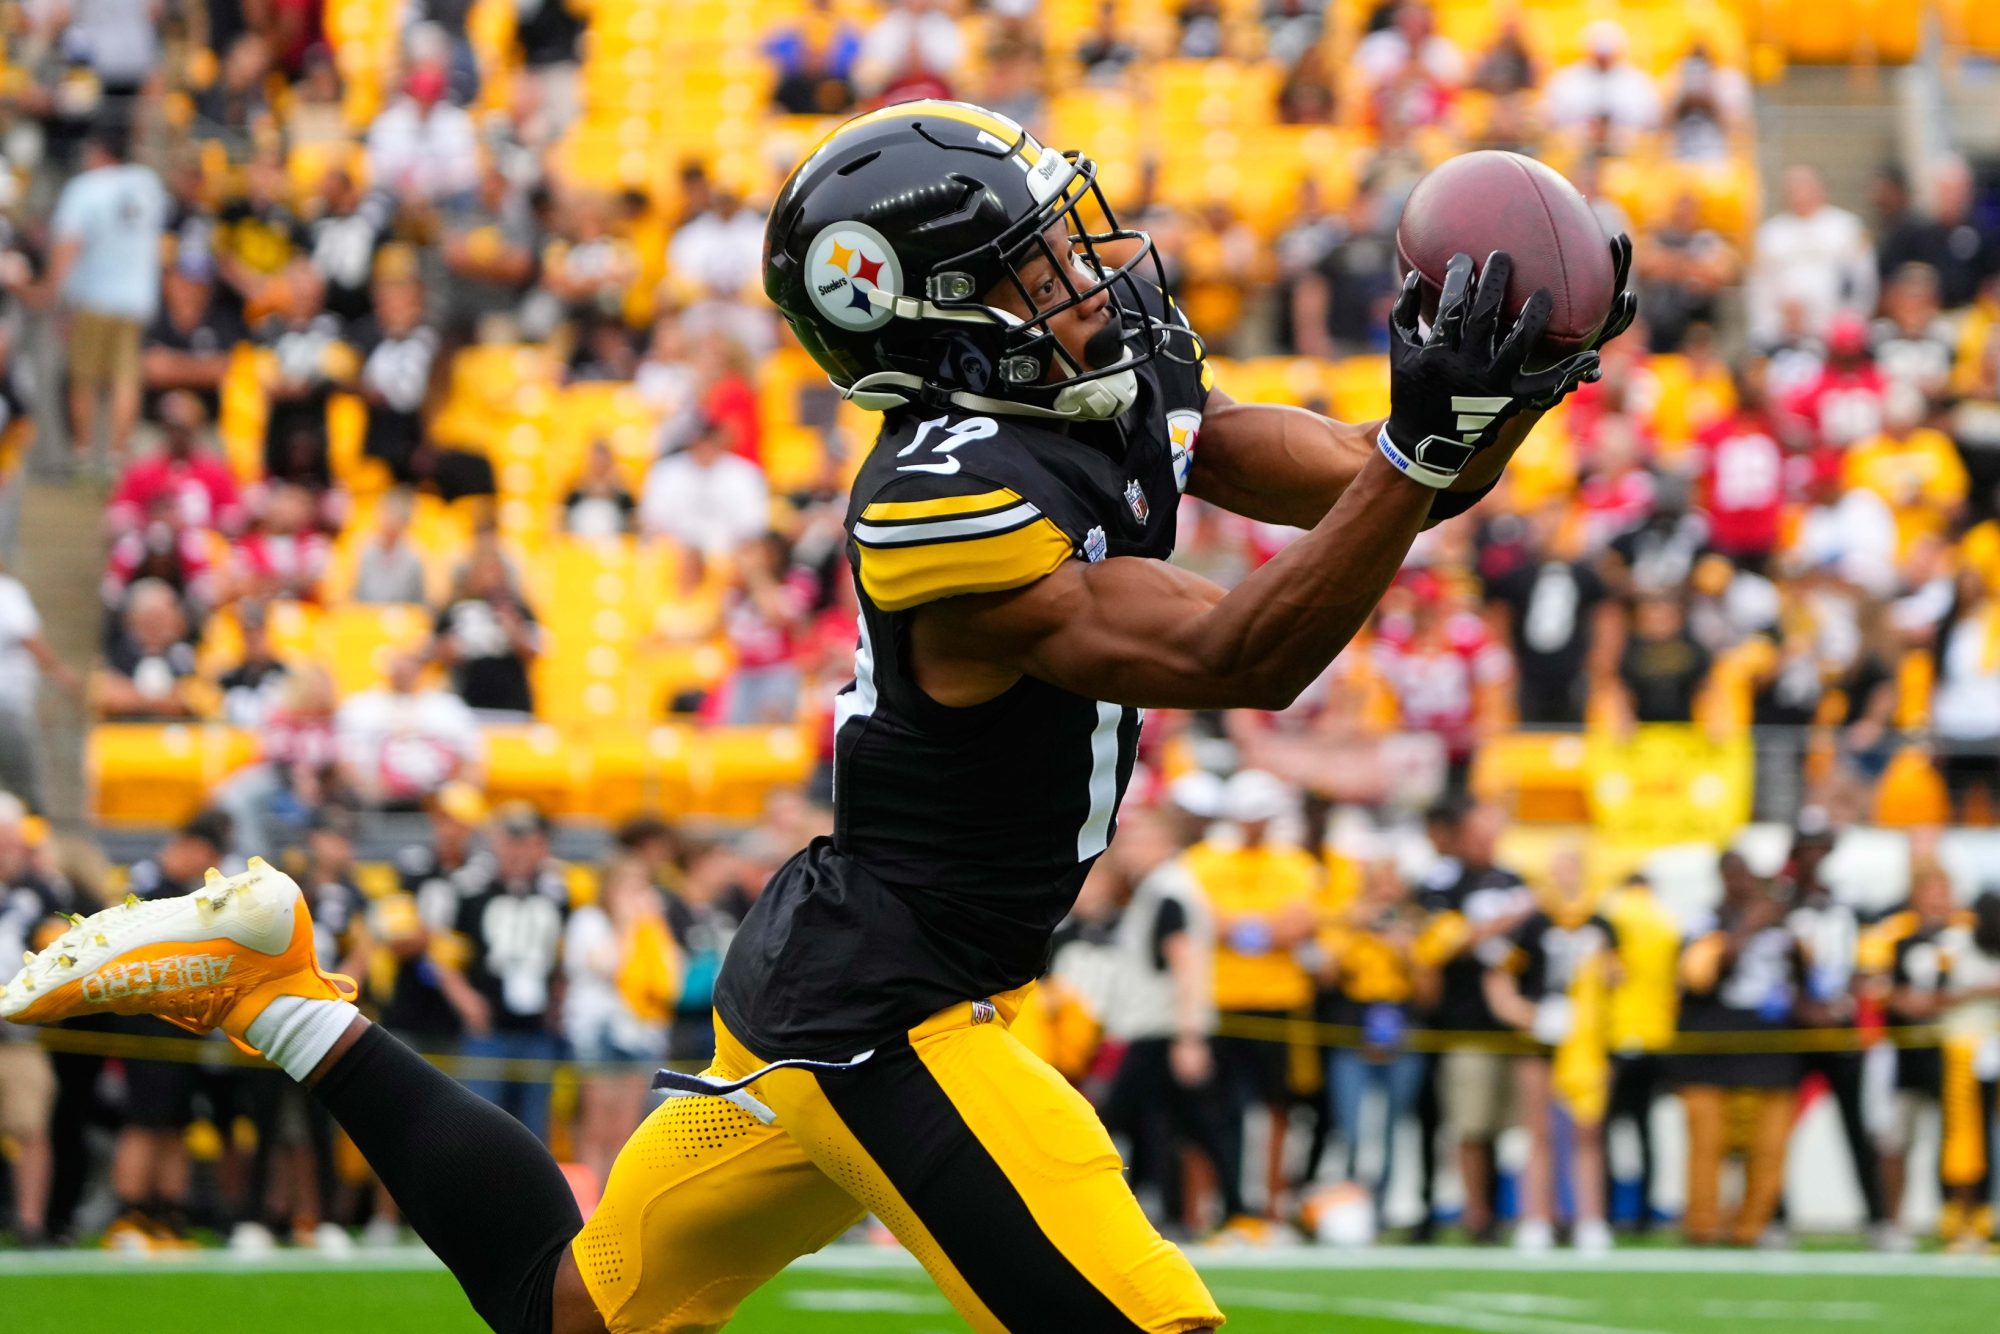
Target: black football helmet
column 885, row 241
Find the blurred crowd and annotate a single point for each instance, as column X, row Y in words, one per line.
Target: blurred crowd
column 255, row 294
column 1273, row 1031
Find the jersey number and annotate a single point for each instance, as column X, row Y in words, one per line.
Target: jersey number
column 961, row 433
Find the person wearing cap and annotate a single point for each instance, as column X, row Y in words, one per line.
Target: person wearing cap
column 1261, row 894
column 1829, row 932
column 512, row 909
column 30, row 905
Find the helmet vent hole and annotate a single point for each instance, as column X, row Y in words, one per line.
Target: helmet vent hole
column 858, row 164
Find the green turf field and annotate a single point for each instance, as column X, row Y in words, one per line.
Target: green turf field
column 1652, row 1292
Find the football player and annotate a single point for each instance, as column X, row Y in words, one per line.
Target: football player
column 1044, row 408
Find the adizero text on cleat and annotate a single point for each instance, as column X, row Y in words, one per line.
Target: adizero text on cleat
column 210, row 959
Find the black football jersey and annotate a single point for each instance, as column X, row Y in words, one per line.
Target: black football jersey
column 961, row 835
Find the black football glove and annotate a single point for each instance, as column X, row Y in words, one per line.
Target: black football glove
column 1624, row 308
column 1451, row 392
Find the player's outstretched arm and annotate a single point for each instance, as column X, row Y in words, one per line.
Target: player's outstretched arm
column 1143, row 633
column 1280, row 464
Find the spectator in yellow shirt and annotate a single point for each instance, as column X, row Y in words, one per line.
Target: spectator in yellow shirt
column 1644, row 1007
column 1261, row 896
column 1369, row 967
column 1915, row 469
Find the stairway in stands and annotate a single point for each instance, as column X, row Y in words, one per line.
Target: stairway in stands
column 61, row 553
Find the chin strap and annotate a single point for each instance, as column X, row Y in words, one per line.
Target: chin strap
column 1100, row 399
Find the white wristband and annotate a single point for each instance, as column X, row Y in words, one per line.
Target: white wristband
column 1408, row 466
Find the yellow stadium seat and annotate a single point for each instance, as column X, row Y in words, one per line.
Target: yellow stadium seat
column 534, row 763
column 1360, row 388
column 1543, row 774
column 641, row 771
column 736, row 768
column 153, row 774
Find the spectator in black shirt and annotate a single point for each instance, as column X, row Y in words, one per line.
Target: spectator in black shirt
column 512, row 909
column 487, row 636
column 29, row 904
column 149, row 674
column 1662, row 669
column 599, row 506
column 350, row 230
column 1472, row 904
column 311, row 358
column 1339, row 305
column 1557, row 611
column 190, row 341
column 254, row 684
column 1951, row 240
column 427, row 1000
column 149, row 1168
column 1742, row 970
column 1105, row 53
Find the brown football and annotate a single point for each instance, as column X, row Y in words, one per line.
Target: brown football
column 1481, row 202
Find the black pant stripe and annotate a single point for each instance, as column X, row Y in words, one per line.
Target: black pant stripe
column 897, row 1111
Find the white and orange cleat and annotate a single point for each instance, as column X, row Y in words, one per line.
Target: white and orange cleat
column 211, row 959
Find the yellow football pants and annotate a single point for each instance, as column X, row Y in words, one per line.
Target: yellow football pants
column 987, row 1166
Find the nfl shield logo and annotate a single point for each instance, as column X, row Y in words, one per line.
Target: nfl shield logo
column 1094, row 545
column 1135, row 496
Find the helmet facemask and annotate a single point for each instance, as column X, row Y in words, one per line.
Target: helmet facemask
column 1030, row 365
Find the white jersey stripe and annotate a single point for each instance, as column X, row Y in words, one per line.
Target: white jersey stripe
column 1095, row 835
column 877, row 535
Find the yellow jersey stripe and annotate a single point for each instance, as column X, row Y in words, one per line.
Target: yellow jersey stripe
column 896, row 578
column 896, row 511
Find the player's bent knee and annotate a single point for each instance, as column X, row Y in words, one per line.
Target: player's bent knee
column 575, row 1312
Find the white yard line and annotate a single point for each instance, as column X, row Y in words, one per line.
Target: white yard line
column 1796, row 1312
column 1416, row 1313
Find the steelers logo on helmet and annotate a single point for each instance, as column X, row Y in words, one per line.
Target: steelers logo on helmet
column 846, row 263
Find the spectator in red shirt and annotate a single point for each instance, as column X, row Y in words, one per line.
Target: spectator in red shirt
column 765, row 616
column 1448, row 674
column 1742, row 474
column 163, row 549
column 1843, row 403
column 1617, row 491
column 193, row 482
column 286, row 555
column 727, row 396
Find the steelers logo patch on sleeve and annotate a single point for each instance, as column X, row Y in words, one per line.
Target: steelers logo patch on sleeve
column 847, row 263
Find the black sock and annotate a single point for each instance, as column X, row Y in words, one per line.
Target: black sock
column 471, row 1180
